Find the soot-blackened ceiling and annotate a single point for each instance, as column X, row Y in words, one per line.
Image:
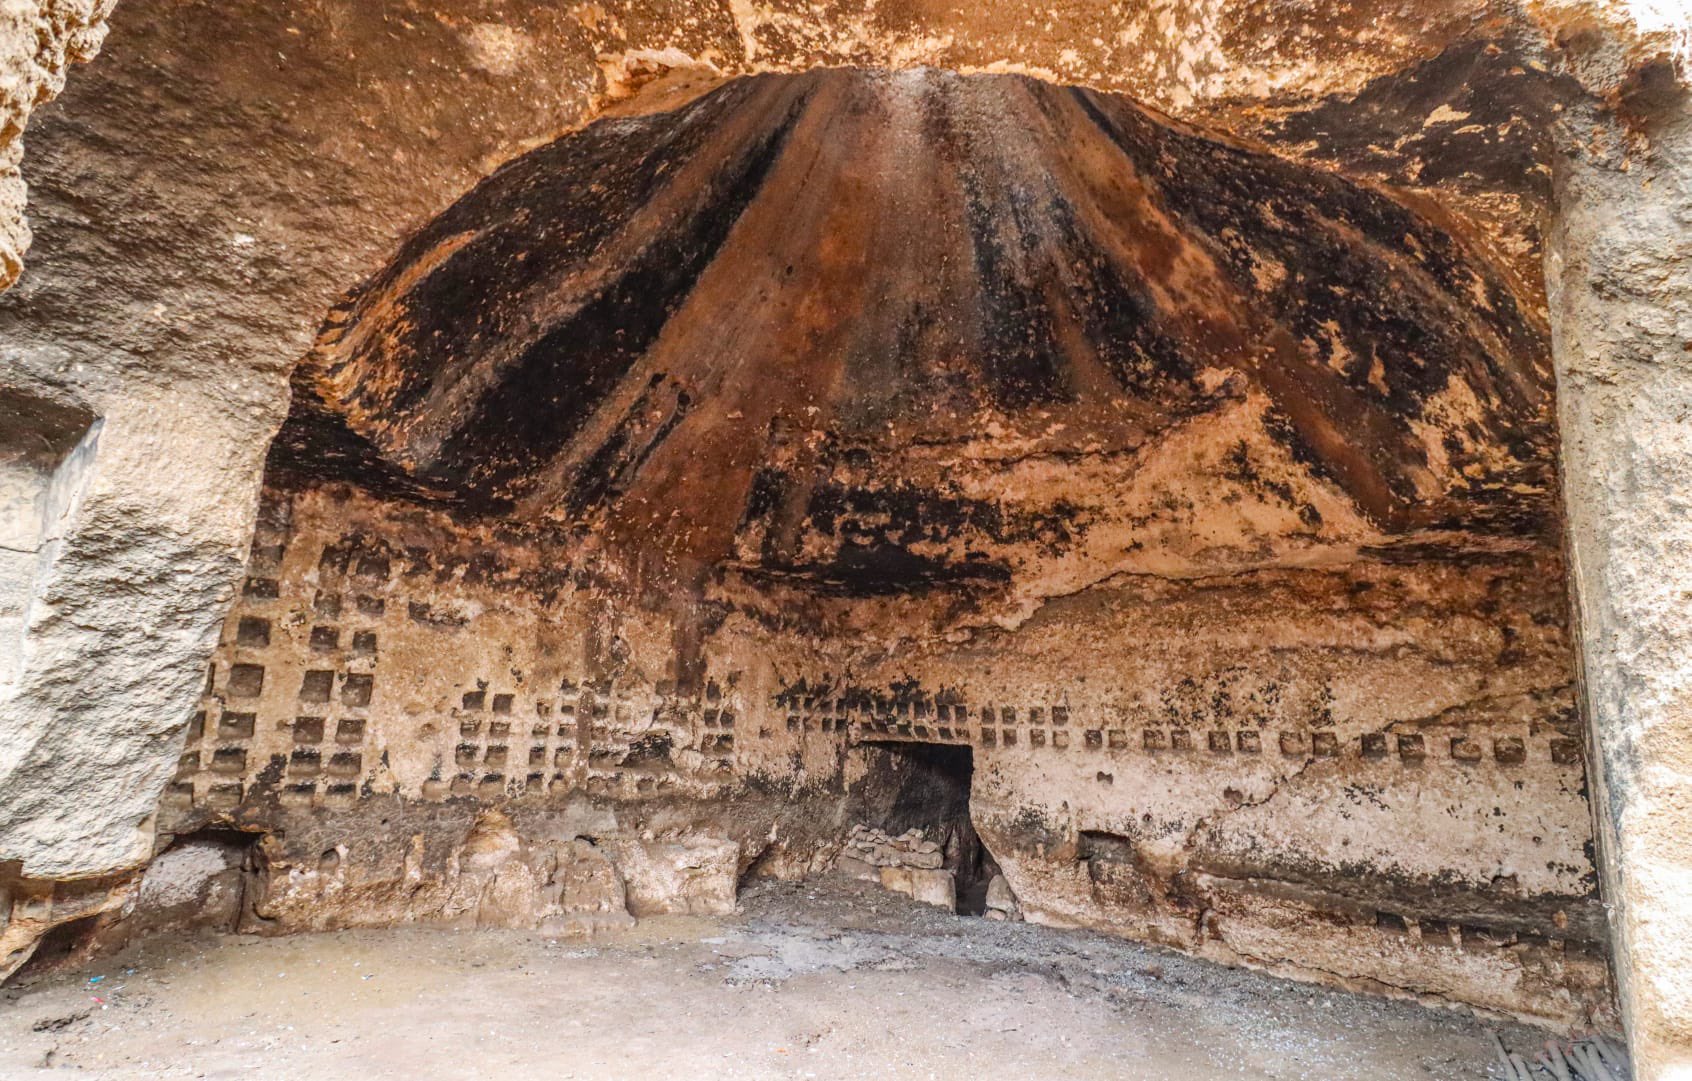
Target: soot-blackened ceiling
column 746, row 315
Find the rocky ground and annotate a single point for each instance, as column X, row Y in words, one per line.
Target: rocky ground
column 830, row 979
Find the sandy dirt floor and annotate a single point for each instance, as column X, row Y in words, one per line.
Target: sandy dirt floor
column 814, row 980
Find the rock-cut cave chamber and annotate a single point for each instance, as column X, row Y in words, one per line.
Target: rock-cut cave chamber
column 997, row 491
column 695, row 465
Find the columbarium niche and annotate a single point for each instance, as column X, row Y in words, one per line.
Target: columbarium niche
column 705, row 478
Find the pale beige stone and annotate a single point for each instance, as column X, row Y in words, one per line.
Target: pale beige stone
column 1620, row 272
column 937, row 888
column 689, row 875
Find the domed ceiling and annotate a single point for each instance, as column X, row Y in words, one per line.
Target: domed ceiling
column 870, row 332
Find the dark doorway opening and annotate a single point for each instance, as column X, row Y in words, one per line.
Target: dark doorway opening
column 926, row 787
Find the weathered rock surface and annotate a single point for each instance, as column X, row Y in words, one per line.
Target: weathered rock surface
column 931, row 886
column 1001, row 900
column 1620, row 271
column 196, row 883
column 693, row 875
column 39, row 40
column 1184, row 446
column 591, row 894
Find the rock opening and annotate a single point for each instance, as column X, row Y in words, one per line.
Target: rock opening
column 913, row 808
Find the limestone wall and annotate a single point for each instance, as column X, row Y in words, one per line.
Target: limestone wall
column 1621, row 269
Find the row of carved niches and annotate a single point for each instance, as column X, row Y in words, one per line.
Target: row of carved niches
column 1050, row 726
column 298, row 680
column 610, row 737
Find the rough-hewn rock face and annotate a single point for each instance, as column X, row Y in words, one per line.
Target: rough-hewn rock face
column 607, row 333
column 1621, row 270
column 1190, row 460
column 39, row 39
column 190, row 224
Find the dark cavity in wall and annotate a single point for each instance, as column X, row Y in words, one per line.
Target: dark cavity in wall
column 926, row 786
column 68, row 944
column 201, row 880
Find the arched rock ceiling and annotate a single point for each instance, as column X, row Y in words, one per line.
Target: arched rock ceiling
column 869, row 331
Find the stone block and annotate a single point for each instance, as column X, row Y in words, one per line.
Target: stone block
column 695, row 875
column 1001, row 902
column 931, row 887
column 853, row 867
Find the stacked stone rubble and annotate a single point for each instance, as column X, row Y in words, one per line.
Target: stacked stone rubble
column 909, row 863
